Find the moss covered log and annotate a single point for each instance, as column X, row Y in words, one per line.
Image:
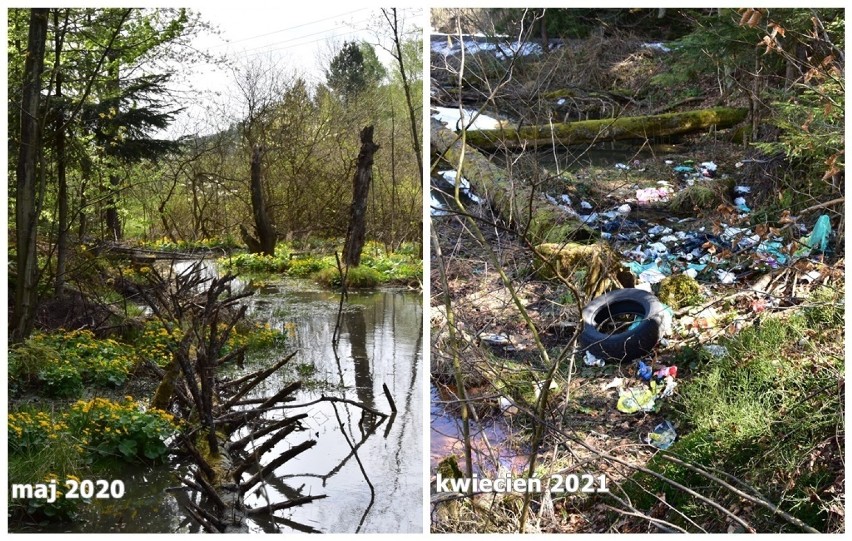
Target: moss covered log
column 611, row 129
column 515, row 201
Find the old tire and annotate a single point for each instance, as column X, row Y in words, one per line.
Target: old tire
column 606, row 339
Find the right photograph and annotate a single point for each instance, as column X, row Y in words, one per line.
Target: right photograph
column 637, row 270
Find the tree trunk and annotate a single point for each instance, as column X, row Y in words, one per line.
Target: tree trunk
column 26, row 205
column 113, row 221
column 357, row 234
column 594, row 131
column 265, row 242
column 111, row 217
column 412, row 111
column 62, row 182
column 518, row 204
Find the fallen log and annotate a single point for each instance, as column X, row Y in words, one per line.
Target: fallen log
column 611, row 129
column 521, row 207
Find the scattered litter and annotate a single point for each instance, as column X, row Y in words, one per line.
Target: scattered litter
column 591, row 360
column 560, row 101
column 670, row 387
column 692, row 273
column 589, row 219
column 669, row 238
column 818, row 239
column 614, row 384
column 740, row 202
column 622, row 166
column 506, row 406
column 652, row 276
column 585, row 205
column 635, row 323
column 644, row 371
column 539, row 386
column 666, row 371
column 669, row 162
column 772, row 249
column 636, row 399
column 726, row 277
column 495, row 339
column 657, row 46
column 566, row 199
column 624, row 209
column 684, row 169
column 659, row 230
column 663, row 436
column 810, row 276
column 659, row 248
column 715, row 350
column 710, row 166
column 651, row 195
column 742, row 190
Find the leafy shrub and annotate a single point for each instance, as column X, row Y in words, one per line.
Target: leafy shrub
column 121, row 429
column 357, row 277
column 32, row 430
column 68, row 359
column 304, row 267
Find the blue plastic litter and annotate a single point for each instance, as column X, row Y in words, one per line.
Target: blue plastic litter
column 684, row 169
column 773, row 249
column 822, row 229
column 644, row 371
column 635, row 323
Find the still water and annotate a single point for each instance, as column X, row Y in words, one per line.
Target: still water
column 375, row 488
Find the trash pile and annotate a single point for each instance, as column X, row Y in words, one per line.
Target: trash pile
column 719, row 253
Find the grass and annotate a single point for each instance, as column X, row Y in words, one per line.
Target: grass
column 769, row 413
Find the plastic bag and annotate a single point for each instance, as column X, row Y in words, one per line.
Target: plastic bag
column 663, row 436
column 636, row 399
column 818, row 239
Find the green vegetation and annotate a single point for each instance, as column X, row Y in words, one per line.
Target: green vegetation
column 768, row 413
column 679, row 290
column 181, row 245
column 64, row 443
column 378, row 266
column 59, row 364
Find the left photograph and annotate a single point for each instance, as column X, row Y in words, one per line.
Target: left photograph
column 215, row 270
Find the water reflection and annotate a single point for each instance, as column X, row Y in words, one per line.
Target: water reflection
column 370, row 469
column 371, row 472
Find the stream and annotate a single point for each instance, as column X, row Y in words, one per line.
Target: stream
column 377, row 488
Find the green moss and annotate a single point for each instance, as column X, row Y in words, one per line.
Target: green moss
column 449, row 468
column 700, row 196
column 604, row 129
column 679, row 291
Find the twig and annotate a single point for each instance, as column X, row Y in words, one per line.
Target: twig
column 269, row 509
column 759, row 501
column 389, row 397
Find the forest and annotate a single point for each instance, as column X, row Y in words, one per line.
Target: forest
column 191, row 297
column 637, row 270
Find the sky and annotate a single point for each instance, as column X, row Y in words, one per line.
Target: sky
column 299, row 38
